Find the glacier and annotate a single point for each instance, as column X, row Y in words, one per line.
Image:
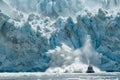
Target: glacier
column 59, row 35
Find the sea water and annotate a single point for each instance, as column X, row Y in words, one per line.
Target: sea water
column 59, row 76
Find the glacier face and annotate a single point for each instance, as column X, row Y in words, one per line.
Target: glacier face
column 57, row 38
column 20, row 46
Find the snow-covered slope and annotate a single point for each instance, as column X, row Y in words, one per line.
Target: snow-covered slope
column 59, row 38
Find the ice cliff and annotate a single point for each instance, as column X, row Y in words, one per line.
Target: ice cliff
column 47, row 36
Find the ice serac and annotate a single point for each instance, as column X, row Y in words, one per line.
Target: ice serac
column 59, row 7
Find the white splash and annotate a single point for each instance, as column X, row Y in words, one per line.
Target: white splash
column 66, row 59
